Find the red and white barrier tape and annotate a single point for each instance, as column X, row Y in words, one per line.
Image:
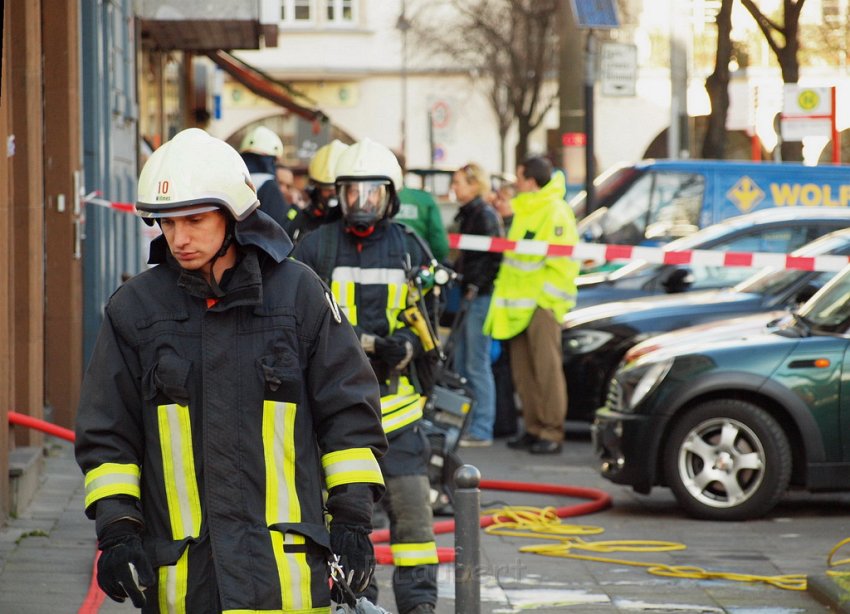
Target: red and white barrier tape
column 602, row 252
column 658, row 255
column 93, row 199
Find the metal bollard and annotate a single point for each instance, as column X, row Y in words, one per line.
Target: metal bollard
column 467, row 506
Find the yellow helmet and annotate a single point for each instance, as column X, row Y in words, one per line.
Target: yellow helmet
column 262, row 141
column 322, row 167
column 197, row 170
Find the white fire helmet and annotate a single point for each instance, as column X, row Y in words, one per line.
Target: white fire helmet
column 368, row 176
column 192, row 173
column 262, row 141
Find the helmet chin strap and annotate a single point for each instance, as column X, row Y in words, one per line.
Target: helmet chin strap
column 225, row 245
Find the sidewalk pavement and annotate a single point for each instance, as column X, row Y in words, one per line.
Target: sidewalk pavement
column 46, row 554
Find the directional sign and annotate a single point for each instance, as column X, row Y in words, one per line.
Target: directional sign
column 592, row 14
column 618, row 69
column 806, row 101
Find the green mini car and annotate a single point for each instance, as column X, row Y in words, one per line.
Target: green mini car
column 730, row 425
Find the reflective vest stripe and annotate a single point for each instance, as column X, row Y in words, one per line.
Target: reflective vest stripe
column 282, row 504
column 173, row 585
column 556, row 292
column 178, row 467
column 515, row 303
column 293, row 573
column 402, row 413
column 351, row 466
column 523, row 265
column 111, row 479
column 396, row 301
column 361, row 276
column 410, row 555
column 343, row 292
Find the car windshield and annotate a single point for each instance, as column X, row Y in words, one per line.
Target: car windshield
column 772, row 281
column 699, row 239
column 829, row 309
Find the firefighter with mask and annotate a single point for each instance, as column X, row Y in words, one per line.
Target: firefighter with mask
column 260, row 149
column 208, row 427
column 367, row 260
column 323, row 205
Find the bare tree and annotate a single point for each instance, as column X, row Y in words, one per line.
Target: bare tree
column 717, row 86
column 786, row 53
column 511, row 45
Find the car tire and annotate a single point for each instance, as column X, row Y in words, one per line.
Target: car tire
column 727, row 460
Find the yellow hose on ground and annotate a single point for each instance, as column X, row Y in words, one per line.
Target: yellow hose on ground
column 542, row 523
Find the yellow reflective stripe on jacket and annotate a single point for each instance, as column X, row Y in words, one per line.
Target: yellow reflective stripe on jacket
column 355, row 465
column 400, row 411
column 282, row 504
column 375, row 276
column 173, row 585
column 343, row 292
column 184, row 504
column 410, row 555
column 557, row 293
column 396, row 302
column 523, row 265
column 178, row 467
column 324, row 610
column 293, row 573
column 110, row 479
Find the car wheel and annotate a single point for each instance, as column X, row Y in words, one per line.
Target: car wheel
column 727, row 460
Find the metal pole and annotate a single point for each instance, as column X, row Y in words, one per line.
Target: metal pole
column 404, row 26
column 589, row 82
column 467, row 540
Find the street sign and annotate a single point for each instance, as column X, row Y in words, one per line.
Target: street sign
column 593, row 14
column 806, row 101
column 618, row 69
column 796, row 129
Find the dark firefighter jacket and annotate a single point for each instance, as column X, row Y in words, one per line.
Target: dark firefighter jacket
column 369, row 279
column 272, row 201
column 221, row 421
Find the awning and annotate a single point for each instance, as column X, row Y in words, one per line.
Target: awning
column 263, row 85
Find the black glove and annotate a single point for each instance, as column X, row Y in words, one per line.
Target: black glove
column 395, row 350
column 356, row 554
column 123, row 569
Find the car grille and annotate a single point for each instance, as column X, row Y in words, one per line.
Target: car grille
column 614, row 400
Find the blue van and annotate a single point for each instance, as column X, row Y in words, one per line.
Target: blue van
column 655, row 201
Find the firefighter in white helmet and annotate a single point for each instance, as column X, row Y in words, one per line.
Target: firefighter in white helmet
column 323, row 206
column 260, row 149
column 207, row 427
column 367, row 259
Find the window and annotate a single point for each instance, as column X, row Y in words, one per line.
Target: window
column 296, row 11
column 340, row 11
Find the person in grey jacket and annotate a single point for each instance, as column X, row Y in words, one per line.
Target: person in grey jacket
column 208, row 426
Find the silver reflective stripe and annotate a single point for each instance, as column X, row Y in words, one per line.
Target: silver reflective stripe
column 523, row 265
column 368, row 276
column 553, row 290
column 517, row 303
column 258, row 179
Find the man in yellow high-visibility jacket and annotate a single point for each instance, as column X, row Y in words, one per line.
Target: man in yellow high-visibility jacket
column 531, row 296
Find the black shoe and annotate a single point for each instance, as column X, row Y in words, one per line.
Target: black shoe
column 422, row 608
column 522, row 442
column 543, row 446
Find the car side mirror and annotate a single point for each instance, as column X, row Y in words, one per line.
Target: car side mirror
column 678, row 279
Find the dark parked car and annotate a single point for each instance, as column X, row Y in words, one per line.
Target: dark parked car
column 730, row 425
column 595, row 339
column 779, row 230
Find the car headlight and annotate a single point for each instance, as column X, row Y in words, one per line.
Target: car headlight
column 585, row 341
column 637, row 382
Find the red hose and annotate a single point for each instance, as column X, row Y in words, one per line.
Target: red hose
column 41, row 425
column 599, row 500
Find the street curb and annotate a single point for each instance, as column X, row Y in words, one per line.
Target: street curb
column 833, row 591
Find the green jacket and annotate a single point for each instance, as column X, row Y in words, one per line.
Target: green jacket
column 420, row 212
column 526, row 282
